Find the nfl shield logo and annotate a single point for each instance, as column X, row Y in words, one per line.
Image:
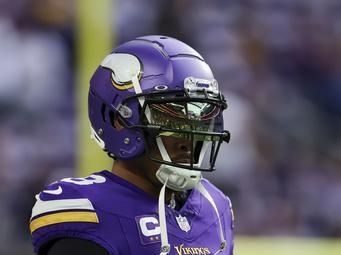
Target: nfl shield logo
column 183, row 223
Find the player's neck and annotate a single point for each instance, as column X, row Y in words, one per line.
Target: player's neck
column 146, row 181
column 137, row 179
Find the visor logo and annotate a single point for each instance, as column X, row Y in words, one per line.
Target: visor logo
column 194, row 85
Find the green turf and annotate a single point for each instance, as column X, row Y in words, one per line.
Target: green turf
column 286, row 246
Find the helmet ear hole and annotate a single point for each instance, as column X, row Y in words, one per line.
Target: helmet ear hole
column 115, row 121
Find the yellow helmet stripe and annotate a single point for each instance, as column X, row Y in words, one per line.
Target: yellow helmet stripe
column 122, row 86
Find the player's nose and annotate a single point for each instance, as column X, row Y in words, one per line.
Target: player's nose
column 184, row 145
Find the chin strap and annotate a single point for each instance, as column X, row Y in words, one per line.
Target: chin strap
column 165, row 246
column 207, row 195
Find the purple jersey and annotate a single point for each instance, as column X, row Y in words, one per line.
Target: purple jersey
column 124, row 219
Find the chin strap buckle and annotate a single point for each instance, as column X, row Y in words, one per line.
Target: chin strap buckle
column 165, row 249
column 222, row 245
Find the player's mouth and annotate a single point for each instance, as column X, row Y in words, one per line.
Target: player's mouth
column 181, row 160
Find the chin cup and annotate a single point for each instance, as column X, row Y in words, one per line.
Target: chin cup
column 179, row 179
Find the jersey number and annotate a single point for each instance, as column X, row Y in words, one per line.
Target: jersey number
column 94, row 178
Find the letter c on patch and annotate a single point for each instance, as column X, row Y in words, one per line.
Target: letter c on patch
column 149, row 226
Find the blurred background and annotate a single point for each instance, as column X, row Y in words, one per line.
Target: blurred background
column 277, row 61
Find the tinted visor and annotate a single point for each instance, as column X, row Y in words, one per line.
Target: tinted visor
column 186, row 119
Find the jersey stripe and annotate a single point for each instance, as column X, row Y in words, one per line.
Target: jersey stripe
column 41, row 206
column 63, row 217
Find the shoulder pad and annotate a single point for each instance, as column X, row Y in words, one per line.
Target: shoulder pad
column 63, row 201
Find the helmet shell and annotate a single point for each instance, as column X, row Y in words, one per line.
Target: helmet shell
column 164, row 63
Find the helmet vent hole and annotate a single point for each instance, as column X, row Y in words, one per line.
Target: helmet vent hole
column 163, row 37
column 193, row 176
column 103, row 112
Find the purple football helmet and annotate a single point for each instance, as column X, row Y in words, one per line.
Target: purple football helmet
column 155, row 86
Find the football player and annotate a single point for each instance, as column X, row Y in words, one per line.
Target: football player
column 156, row 109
